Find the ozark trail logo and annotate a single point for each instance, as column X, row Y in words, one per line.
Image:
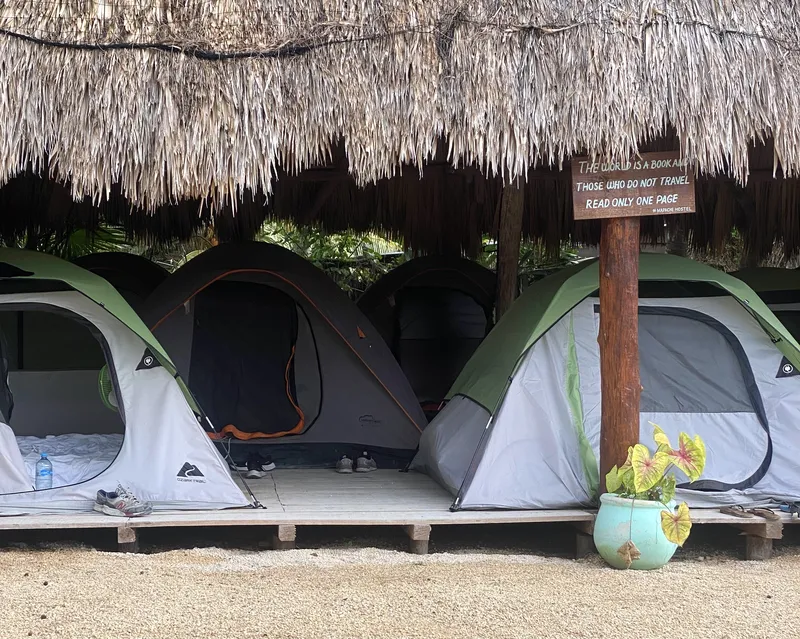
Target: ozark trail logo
column 190, row 472
column 148, row 361
column 786, row 369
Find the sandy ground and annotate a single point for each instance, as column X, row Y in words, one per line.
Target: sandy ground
column 332, row 592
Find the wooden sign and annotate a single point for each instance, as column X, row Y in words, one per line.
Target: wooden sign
column 651, row 184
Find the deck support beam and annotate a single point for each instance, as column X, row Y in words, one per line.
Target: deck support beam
column 619, row 341
column 419, row 536
column 757, row 548
column 509, row 237
column 758, row 538
column 127, row 539
column 584, row 539
column 283, row 537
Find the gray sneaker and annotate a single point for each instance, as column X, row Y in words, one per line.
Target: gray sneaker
column 121, row 503
column 365, row 463
column 344, row 465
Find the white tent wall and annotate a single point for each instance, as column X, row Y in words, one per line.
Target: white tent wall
column 446, row 452
column 531, row 457
column 161, row 431
column 13, row 475
column 73, row 403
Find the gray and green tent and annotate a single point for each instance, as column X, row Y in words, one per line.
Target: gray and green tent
column 522, row 427
column 61, row 325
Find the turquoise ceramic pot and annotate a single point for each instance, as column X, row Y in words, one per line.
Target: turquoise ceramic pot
column 620, row 519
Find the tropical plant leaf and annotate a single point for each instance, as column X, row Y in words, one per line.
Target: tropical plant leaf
column 613, row 480
column 626, row 473
column 629, row 553
column 690, row 456
column 668, row 488
column 701, row 445
column 676, row 525
column 647, row 470
column 660, row 437
column 627, row 465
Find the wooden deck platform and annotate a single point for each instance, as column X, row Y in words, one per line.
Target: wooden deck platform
column 412, row 501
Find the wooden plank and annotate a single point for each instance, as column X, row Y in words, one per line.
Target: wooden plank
column 508, row 241
column 619, row 341
column 658, row 183
column 318, row 498
column 254, row 517
column 765, row 529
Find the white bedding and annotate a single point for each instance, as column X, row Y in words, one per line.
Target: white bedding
column 75, row 458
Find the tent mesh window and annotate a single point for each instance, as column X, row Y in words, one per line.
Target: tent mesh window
column 242, row 360
column 437, row 331
column 687, row 366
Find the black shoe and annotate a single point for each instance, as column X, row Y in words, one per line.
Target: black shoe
column 266, row 463
column 254, row 470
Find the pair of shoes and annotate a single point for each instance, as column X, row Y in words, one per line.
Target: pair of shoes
column 121, row 503
column 258, row 466
column 364, row 464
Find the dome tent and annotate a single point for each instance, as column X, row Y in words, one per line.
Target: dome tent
column 522, row 427
column 278, row 355
column 134, row 276
column 162, row 451
column 433, row 312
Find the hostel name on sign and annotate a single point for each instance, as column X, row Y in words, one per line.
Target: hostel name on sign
column 653, row 184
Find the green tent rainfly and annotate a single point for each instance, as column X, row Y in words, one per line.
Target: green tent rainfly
column 521, row 429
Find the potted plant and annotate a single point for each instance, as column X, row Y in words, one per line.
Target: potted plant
column 639, row 525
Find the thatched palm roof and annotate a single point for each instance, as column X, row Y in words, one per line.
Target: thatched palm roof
column 160, row 102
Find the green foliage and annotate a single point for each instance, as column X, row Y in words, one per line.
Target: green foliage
column 72, row 245
column 353, row 260
column 649, row 477
column 535, row 260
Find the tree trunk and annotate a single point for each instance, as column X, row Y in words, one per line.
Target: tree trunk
column 508, row 241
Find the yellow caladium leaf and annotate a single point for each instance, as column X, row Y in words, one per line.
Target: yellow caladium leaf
column 613, row 480
column 647, row 470
column 690, row 456
column 701, row 445
column 676, row 525
column 626, row 470
column 660, row 437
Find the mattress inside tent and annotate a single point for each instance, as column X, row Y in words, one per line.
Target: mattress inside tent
column 75, row 458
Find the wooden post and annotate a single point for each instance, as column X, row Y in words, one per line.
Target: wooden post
column 419, row 536
column 757, row 548
column 508, row 241
column 127, row 539
column 283, row 537
column 619, row 341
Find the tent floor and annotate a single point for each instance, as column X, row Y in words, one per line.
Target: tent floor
column 383, row 498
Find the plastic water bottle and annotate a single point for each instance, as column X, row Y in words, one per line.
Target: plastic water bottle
column 44, row 473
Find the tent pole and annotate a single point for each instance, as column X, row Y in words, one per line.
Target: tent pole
column 619, row 341
column 509, row 237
